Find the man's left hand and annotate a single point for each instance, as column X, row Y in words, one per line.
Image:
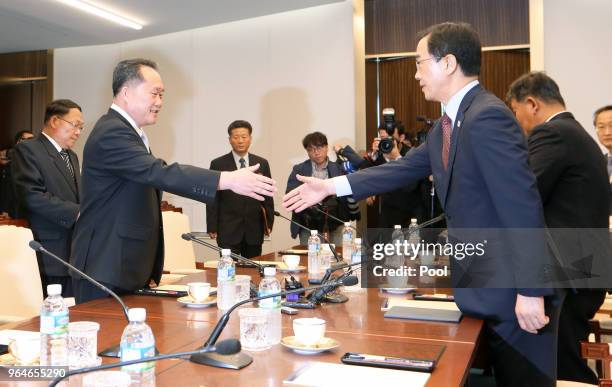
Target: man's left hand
column 530, row 313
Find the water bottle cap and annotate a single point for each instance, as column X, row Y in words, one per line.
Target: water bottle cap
column 269, row 271
column 226, row 252
column 347, row 224
column 313, row 232
column 358, row 241
column 54, row 289
column 137, row 314
column 413, row 220
column 397, row 227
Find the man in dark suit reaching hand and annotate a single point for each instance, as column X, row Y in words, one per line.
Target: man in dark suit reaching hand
column 118, row 238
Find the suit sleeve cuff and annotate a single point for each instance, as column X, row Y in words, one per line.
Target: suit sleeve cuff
column 342, row 185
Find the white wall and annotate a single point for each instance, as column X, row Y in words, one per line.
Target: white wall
column 576, row 53
column 288, row 74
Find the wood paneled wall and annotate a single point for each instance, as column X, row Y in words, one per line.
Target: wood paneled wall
column 25, row 89
column 392, row 26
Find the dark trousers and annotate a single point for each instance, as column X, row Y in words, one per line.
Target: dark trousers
column 65, row 281
column 244, row 249
column 85, row 291
column 579, row 307
column 521, row 358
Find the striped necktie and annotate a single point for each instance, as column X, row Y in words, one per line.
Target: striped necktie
column 66, row 159
column 242, row 163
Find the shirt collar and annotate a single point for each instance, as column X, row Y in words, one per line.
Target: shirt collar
column 53, row 142
column 324, row 167
column 452, row 107
column 237, row 158
column 556, row 114
column 129, row 119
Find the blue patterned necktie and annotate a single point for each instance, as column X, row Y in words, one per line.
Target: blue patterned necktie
column 66, row 159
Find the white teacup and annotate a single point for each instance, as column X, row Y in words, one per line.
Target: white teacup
column 309, row 331
column 292, row 261
column 26, row 350
column 198, row 291
column 427, row 258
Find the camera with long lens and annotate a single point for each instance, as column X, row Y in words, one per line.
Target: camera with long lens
column 386, row 144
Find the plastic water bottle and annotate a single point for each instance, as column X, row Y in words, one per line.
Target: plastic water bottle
column 347, row 242
column 138, row 342
column 314, row 250
column 226, row 280
column 356, row 257
column 397, row 238
column 54, row 328
column 414, row 236
column 269, row 285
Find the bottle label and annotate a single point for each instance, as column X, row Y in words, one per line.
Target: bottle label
column 54, row 323
column 269, row 303
column 135, row 351
column 226, row 274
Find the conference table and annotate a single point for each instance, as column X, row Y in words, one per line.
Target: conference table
column 358, row 325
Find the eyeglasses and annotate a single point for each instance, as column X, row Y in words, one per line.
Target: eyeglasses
column 79, row 127
column 419, row 61
column 315, row 148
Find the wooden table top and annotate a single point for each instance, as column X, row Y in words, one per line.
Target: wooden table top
column 358, row 325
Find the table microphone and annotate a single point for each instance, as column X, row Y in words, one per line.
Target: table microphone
column 321, row 294
column 241, row 360
column 276, row 213
column 225, row 347
column 237, row 257
column 112, row 351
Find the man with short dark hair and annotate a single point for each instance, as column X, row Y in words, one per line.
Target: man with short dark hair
column 602, row 119
column 238, row 222
column 478, row 159
column 118, row 239
column 319, row 166
column 573, row 185
column 47, row 179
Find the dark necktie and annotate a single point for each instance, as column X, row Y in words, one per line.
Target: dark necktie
column 66, row 158
column 242, row 163
column 447, row 128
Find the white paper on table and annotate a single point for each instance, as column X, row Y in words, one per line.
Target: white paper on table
column 438, row 305
column 332, row 374
column 7, row 335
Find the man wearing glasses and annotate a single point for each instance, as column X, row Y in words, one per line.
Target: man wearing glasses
column 47, row 179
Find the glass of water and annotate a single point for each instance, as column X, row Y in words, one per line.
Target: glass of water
column 253, row 329
column 243, row 287
column 83, row 344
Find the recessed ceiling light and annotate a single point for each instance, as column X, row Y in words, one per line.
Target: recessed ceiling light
column 95, row 10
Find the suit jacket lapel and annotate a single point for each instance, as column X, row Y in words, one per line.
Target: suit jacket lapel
column 231, row 163
column 457, row 127
column 59, row 163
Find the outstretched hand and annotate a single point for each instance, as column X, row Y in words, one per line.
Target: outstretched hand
column 245, row 181
column 308, row 194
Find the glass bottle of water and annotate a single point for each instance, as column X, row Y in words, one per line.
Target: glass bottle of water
column 138, row 342
column 54, row 328
column 226, row 276
column 347, row 242
column 314, row 250
column 270, row 285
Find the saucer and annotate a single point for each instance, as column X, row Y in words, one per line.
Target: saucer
column 398, row 290
column 188, row 302
column 283, row 268
column 325, row 344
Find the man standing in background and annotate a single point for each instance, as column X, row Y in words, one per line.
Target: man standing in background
column 237, row 222
column 603, row 124
column 573, row 184
column 47, row 179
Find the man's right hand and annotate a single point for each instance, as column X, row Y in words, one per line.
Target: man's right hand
column 313, row 191
column 212, row 235
column 375, row 144
column 245, row 181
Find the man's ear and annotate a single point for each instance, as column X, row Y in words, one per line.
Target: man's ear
column 451, row 63
column 533, row 104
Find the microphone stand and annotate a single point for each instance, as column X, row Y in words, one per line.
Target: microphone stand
column 317, row 297
column 240, row 359
column 175, row 355
column 115, row 350
column 317, row 207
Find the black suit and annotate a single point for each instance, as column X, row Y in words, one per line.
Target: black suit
column 238, row 220
column 118, row 238
column 48, row 197
column 573, row 183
